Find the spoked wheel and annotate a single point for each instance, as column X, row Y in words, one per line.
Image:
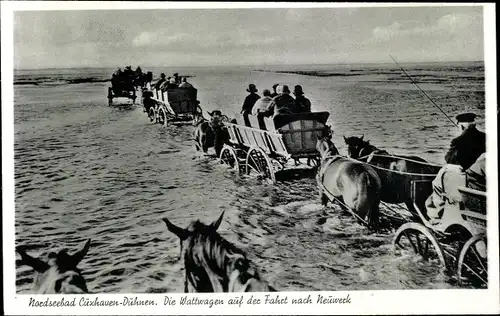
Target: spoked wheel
column 258, row 161
column 152, row 115
column 473, row 262
column 162, row 117
column 418, row 239
column 314, row 162
column 229, row 157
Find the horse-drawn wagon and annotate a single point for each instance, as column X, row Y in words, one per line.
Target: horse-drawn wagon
column 269, row 144
column 173, row 105
column 456, row 240
column 119, row 91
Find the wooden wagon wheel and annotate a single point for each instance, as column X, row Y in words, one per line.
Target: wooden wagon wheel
column 473, row 262
column 258, row 161
column 152, row 115
column 229, row 157
column 419, row 239
column 162, row 117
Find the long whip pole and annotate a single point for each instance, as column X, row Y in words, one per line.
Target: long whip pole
column 423, row 92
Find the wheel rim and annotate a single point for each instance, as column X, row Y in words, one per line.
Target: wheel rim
column 257, row 161
column 418, row 239
column 162, row 119
column 473, row 262
column 228, row 156
column 152, row 115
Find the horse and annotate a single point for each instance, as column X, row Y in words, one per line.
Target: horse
column 59, row 274
column 353, row 183
column 212, row 264
column 210, row 133
column 395, row 171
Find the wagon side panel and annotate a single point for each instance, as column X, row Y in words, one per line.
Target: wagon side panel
column 300, row 137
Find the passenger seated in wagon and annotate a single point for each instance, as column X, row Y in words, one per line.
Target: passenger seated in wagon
column 302, row 104
column 460, row 169
column 261, row 105
column 185, row 84
column 283, row 103
column 161, row 81
column 169, row 85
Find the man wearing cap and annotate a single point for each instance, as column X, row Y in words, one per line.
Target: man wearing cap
column 283, row 103
column 463, row 153
column 249, row 102
column 302, row 104
column 466, row 148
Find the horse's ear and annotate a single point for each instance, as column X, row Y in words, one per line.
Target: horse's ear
column 80, row 254
column 361, row 138
column 37, row 264
column 210, row 113
column 345, row 139
column 217, row 223
column 178, row 231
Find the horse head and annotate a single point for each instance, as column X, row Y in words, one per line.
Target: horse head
column 59, row 274
column 326, row 147
column 212, row 264
column 354, row 145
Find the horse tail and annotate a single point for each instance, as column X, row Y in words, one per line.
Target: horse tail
column 368, row 198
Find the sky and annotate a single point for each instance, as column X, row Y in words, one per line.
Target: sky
column 263, row 36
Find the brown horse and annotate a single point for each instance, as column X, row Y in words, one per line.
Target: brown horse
column 395, row 171
column 353, row 183
column 213, row 264
column 210, row 133
column 59, row 274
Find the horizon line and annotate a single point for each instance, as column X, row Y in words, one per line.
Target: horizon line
column 255, row 65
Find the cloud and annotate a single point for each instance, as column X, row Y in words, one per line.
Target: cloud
column 449, row 24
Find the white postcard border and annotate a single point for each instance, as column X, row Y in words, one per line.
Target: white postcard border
column 363, row 302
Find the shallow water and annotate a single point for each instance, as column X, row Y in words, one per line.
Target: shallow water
column 86, row 170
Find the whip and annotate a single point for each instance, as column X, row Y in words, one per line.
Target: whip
column 424, row 92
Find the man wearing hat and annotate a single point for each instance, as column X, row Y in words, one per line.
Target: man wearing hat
column 466, row 148
column 249, row 102
column 302, row 104
column 463, row 153
column 283, row 103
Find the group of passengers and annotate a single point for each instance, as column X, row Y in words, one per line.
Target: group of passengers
column 125, row 79
column 280, row 102
column 167, row 83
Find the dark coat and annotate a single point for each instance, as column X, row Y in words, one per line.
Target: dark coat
column 249, row 103
column 302, row 104
column 466, row 148
column 282, row 104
